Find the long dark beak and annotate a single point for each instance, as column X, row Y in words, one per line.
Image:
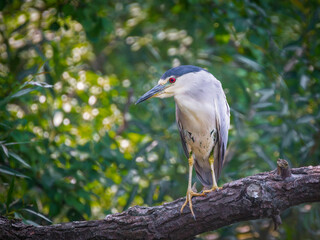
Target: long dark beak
column 151, row 93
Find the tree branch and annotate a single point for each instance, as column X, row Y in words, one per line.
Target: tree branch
column 264, row 195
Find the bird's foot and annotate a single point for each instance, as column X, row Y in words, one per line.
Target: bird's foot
column 211, row 189
column 189, row 196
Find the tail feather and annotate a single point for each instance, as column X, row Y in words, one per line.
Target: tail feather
column 204, row 172
column 204, row 175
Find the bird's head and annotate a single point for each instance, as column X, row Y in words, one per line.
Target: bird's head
column 172, row 82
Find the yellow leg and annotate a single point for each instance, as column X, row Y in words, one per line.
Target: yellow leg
column 214, row 182
column 190, row 193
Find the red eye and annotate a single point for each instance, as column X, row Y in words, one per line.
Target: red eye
column 172, row 80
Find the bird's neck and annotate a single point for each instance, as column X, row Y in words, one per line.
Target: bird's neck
column 187, row 104
column 195, row 112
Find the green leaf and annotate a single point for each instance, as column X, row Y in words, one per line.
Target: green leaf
column 22, row 92
column 12, row 172
column 37, row 214
column 5, row 150
column 305, row 119
column 29, row 222
column 15, row 143
column 262, row 105
column 17, row 157
column 249, row 62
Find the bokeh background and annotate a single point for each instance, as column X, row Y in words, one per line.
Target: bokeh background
column 73, row 146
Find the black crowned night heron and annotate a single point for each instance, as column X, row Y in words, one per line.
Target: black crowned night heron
column 203, row 118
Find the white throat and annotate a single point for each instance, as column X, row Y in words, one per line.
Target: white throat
column 195, row 115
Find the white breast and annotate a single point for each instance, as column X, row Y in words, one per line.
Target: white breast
column 198, row 121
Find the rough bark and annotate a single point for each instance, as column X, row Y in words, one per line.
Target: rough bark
column 264, row 195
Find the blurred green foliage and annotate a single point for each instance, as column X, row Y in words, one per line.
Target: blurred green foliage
column 73, row 144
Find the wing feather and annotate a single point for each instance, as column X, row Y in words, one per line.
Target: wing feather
column 222, row 125
column 182, row 134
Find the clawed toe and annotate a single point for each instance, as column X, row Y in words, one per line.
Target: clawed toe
column 212, row 189
column 189, row 196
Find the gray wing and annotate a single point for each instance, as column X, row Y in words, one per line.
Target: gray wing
column 182, row 135
column 222, row 126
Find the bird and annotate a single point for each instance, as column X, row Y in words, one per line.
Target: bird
column 203, row 120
